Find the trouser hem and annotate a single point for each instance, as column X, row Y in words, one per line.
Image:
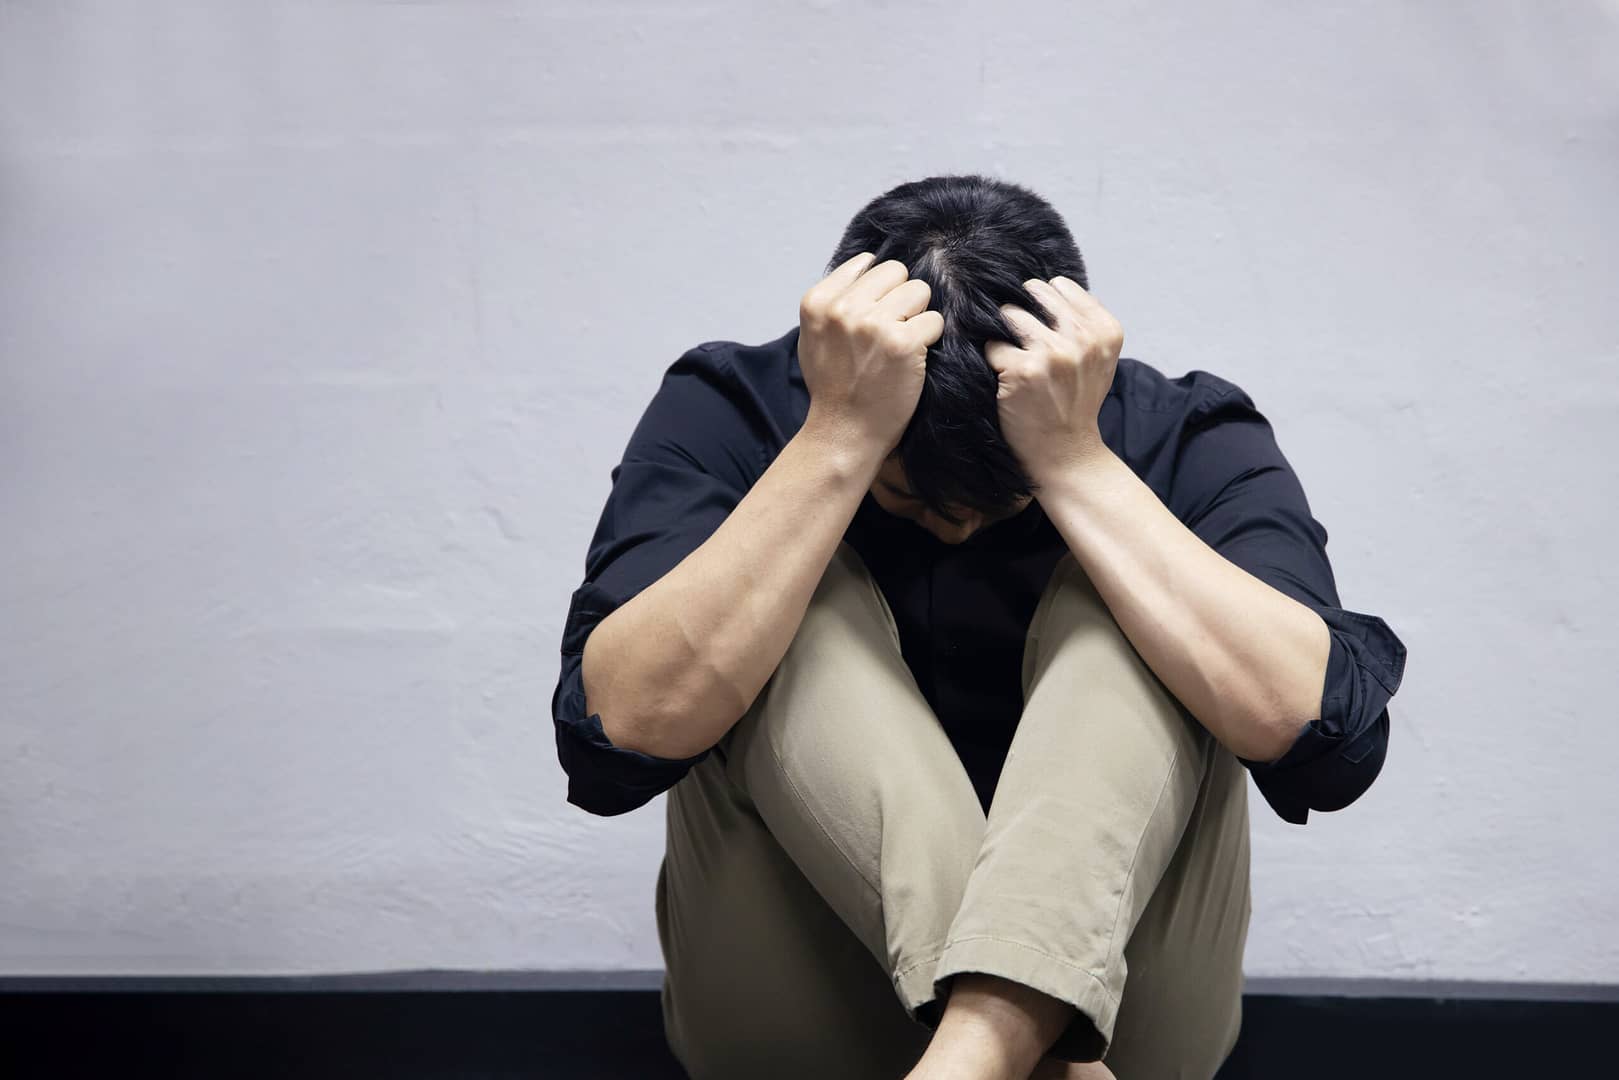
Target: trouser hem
column 915, row 985
column 1088, row 1036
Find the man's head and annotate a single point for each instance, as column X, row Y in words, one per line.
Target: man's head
column 892, row 491
column 974, row 240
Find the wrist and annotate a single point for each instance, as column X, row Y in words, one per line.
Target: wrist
column 842, row 446
column 1083, row 453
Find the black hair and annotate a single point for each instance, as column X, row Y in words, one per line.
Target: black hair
column 974, row 240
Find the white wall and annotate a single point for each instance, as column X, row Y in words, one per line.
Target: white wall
column 322, row 325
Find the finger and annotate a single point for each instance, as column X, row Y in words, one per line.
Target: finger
column 1000, row 354
column 846, row 272
column 1055, row 301
column 875, row 283
column 928, row 326
column 1026, row 325
column 1095, row 317
column 906, row 299
column 1082, row 302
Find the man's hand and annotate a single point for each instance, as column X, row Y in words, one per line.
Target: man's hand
column 864, row 333
column 1052, row 385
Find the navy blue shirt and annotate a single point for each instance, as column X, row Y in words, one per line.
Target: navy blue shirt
column 724, row 410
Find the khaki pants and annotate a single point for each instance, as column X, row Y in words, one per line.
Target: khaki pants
column 829, row 866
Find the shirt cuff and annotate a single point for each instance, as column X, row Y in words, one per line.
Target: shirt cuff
column 1337, row 755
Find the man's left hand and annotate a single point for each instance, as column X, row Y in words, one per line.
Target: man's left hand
column 1052, row 385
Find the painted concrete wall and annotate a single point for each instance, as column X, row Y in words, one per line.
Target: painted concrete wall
column 322, row 326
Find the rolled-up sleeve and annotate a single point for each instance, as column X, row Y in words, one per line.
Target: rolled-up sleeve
column 689, row 461
column 1235, row 489
column 603, row 778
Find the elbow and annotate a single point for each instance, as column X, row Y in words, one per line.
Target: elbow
column 643, row 736
column 620, row 735
column 612, row 767
column 1276, row 706
column 625, row 729
column 669, row 733
column 1256, row 727
column 1269, row 738
column 641, row 714
column 610, row 772
column 1270, row 714
column 625, row 726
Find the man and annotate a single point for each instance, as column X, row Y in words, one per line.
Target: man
column 949, row 632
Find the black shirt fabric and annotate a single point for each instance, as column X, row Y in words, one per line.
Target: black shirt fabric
column 724, row 410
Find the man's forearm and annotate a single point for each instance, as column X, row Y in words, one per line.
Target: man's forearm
column 672, row 668
column 1246, row 660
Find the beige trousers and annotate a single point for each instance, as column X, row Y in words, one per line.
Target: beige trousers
column 829, row 866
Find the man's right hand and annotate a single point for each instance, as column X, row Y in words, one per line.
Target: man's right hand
column 864, row 333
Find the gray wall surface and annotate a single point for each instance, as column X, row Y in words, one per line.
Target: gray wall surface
column 323, row 324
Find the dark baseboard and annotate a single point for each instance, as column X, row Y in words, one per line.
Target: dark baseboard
column 521, row 1026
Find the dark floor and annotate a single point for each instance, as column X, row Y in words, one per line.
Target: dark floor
column 564, row 1034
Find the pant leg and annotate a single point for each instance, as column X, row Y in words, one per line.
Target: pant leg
column 1116, row 842
column 1182, row 1004
column 816, row 860
column 761, row 976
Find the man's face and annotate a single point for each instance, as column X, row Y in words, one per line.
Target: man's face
column 893, row 494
